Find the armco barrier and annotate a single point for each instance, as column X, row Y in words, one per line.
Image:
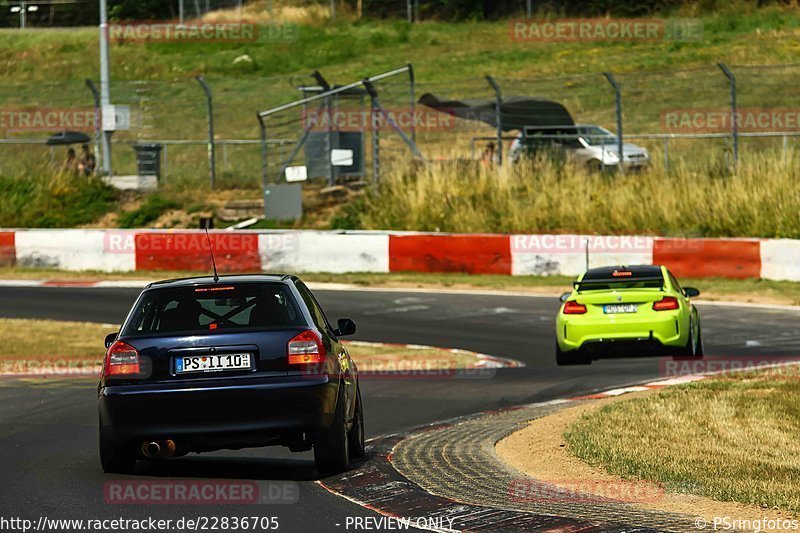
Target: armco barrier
column 8, row 253
column 340, row 252
column 703, row 258
column 233, row 252
column 471, row 254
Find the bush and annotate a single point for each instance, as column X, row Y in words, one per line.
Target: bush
column 44, row 201
column 152, row 208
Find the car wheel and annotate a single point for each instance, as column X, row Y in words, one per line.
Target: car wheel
column 693, row 348
column 116, row 459
column 700, row 350
column 594, row 166
column 570, row 358
column 331, row 445
column 356, row 433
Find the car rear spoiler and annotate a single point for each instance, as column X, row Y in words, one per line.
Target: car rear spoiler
column 581, row 285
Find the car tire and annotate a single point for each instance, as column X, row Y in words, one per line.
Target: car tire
column 570, row 358
column 356, row 434
column 693, row 348
column 594, row 166
column 331, row 444
column 116, row 459
column 700, row 350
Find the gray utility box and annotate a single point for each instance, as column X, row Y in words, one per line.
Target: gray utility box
column 283, row 202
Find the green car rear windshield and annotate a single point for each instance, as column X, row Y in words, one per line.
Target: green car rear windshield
column 214, row 308
column 616, row 278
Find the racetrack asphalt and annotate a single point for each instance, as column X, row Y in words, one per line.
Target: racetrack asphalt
column 48, row 429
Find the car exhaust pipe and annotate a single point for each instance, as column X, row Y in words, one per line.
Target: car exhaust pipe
column 159, row 450
column 151, row 449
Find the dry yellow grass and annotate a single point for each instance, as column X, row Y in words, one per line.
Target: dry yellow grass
column 50, row 340
column 732, row 438
column 281, row 12
column 760, row 200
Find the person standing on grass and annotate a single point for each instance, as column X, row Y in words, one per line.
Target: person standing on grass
column 488, row 157
column 88, row 163
column 70, row 164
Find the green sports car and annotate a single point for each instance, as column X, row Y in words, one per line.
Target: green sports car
column 627, row 311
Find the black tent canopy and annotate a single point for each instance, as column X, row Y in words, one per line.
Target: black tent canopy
column 516, row 111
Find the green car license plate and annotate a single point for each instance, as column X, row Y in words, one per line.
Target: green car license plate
column 620, row 308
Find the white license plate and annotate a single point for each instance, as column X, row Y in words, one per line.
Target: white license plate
column 620, row 308
column 212, row 363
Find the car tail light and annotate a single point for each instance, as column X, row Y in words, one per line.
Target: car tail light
column 305, row 348
column 121, row 359
column 574, row 308
column 667, row 303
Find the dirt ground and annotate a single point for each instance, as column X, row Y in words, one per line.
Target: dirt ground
column 540, row 451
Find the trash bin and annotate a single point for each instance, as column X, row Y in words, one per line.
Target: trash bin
column 148, row 159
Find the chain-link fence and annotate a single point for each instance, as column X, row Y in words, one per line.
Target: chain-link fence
column 680, row 116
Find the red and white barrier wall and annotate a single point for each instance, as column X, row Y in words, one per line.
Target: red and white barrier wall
column 339, row 252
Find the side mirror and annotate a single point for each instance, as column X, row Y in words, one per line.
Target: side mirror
column 563, row 297
column 691, row 292
column 110, row 338
column 345, row 327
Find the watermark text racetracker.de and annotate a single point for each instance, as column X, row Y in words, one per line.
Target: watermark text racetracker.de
column 201, row 31
column 676, row 366
column 130, row 242
column 605, row 29
column 721, row 120
column 200, row 492
column 583, row 491
column 608, row 244
column 421, row 119
column 47, row 119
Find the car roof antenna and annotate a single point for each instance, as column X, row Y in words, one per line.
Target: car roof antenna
column 213, row 263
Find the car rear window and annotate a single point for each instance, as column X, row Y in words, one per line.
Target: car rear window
column 645, row 277
column 219, row 307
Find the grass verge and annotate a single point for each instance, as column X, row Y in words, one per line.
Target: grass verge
column 44, row 199
column 732, row 438
column 28, row 344
column 713, row 289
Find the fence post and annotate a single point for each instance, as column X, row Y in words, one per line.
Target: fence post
column 618, row 101
column 734, row 126
column 376, row 142
column 785, row 146
column 263, row 126
column 165, row 161
column 498, row 109
column 105, row 85
column 96, row 95
column 212, row 152
column 412, row 91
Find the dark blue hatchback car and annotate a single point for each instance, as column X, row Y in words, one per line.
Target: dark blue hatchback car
column 244, row 361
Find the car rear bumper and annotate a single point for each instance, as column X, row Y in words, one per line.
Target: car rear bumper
column 260, row 409
column 599, row 334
